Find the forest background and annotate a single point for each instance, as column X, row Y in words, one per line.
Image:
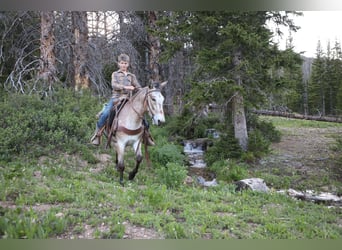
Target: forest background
column 228, row 57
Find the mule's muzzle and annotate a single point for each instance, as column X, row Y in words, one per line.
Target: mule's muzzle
column 158, row 120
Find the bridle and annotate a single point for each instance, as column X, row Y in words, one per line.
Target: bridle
column 146, row 103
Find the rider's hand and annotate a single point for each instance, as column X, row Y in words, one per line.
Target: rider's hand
column 129, row 87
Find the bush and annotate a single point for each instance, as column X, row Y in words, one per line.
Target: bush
column 172, row 174
column 266, row 128
column 35, row 126
column 258, row 144
column 162, row 155
column 191, row 125
column 223, row 148
column 229, row 170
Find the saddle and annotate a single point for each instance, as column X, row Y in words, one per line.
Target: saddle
column 112, row 125
column 112, row 121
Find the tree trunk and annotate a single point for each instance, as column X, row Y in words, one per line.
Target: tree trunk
column 154, row 48
column 239, row 119
column 47, row 71
column 238, row 109
column 306, row 74
column 322, row 98
column 80, row 56
column 305, row 99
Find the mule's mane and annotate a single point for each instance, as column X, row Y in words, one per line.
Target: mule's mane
column 140, row 90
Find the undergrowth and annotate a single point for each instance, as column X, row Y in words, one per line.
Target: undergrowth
column 35, row 126
column 54, row 185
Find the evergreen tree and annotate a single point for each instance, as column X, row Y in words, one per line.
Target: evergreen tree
column 336, row 80
column 234, row 56
column 317, row 88
column 234, row 59
column 338, row 68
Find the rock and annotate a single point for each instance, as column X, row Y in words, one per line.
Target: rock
column 188, row 180
column 255, row 184
column 205, row 183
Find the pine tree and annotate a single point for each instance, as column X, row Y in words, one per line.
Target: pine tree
column 317, row 85
column 233, row 58
column 336, row 79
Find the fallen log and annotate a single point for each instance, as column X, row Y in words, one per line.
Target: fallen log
column 308, row 195
column 298, row 116
column 258, row 184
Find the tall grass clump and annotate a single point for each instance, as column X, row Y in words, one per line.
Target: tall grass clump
column 169, row 163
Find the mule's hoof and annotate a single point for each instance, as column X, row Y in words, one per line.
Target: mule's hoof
column 131, row 176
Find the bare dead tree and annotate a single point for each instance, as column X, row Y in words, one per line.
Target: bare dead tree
column 47, row 71
column 20, row 46
column 80, row 57
column 154, row 48
column 20, row 49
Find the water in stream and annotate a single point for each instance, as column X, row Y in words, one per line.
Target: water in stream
column 194, row 150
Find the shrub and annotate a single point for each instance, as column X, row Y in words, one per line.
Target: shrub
column 190, row 124
column 266, row 128
column 257, row 143
column 223, row 148
column 162, row 155
column 35, row 126
column 229, row 170
column 172, row 174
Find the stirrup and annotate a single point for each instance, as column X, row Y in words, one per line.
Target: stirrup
column 147, row 139
column 96, row 139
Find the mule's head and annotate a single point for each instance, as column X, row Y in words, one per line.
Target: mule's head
column 155, row 102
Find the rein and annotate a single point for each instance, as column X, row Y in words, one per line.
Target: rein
column 145, row 103
column 146, row 106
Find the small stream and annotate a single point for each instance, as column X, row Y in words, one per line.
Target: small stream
column 198, row 171
column 195, row 153
column 194, row 150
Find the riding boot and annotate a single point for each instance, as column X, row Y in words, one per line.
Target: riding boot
column 96, row 138
column 147, row 138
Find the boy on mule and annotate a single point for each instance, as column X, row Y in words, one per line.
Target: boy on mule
column 123, row 82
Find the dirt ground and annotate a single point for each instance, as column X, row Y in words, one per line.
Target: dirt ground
column 306, row 155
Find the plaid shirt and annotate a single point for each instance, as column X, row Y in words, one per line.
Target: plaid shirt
column 119, row 80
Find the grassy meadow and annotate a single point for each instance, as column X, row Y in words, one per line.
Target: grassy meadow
column 61, row 187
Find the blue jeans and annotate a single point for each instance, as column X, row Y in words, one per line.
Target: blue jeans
column 105, row 113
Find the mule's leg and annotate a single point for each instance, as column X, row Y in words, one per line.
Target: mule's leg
column 138, row 159
column 116, row 160
column 120, row 166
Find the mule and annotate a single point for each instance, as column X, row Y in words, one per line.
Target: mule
column 127, row 128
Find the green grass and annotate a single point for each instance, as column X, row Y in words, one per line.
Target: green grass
column 76, row 197
column 72, row 194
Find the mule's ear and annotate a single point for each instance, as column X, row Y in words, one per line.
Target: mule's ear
column 163, row 84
